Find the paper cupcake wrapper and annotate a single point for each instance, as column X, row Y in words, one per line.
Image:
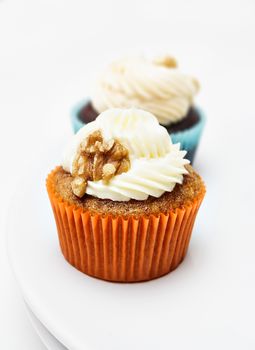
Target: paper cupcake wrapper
column 77, row 124
column 122, row 249
column 189, row 138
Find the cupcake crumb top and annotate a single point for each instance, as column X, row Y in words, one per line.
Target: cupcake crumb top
column 184, row 194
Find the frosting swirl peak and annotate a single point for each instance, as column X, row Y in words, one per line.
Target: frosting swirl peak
column 155, row 85
column 155, row 164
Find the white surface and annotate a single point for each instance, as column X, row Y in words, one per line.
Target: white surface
column 45, row 66
column 47, row 338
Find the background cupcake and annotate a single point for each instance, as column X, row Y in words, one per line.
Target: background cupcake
column 157, row 86
column 125, row 198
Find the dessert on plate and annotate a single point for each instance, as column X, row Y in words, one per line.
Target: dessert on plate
column 124, row 198
column 155, row 85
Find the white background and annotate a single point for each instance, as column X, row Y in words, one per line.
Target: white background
column 49, row 54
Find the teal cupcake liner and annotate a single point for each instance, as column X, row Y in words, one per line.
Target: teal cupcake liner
column 77, row 123
column 188, row 138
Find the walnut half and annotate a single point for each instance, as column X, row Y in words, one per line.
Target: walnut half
column 98, row 159
column 166, row 61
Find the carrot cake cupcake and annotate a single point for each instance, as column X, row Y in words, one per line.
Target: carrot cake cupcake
column 125, row 199
column 155, row 85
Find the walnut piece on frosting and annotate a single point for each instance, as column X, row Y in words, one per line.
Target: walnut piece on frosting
column 166, row 61
column 98, row 159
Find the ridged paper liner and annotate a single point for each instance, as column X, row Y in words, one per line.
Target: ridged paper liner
column 77, row 123
column 189, row 138
column 122, row 249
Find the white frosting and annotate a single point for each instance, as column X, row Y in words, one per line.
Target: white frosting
column 157, row 165
column 152, row 85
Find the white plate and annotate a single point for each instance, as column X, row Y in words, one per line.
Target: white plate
column 47, row 338
column 201, row 305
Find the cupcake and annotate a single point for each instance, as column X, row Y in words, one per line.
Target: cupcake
column 124, row 198
column 156, row 86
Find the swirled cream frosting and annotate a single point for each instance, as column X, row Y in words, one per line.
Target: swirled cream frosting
column 156, row 86
column 155, row 165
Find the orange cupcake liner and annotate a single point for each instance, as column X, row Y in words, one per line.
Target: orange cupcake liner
column 122, row 249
